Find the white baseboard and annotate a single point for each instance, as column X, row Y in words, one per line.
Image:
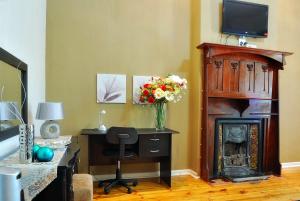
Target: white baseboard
column 147, row 174
column 185, row 172
column 173, row 173
column 290, row 164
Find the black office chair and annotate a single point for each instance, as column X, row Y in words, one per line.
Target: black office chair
column 121, row 136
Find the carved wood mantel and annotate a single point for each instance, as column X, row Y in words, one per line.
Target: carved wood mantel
column 240, row 82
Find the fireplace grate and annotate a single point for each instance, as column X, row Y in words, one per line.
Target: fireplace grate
column 238, row 149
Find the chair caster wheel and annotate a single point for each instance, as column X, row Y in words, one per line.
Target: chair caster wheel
column 106, row 191
column 135, row 183
column 100, row 184
column 129, row 191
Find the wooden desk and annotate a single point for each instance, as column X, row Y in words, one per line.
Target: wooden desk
column 60, row 189
column 152, row 146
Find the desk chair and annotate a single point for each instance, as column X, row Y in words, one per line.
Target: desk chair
column 121, row 136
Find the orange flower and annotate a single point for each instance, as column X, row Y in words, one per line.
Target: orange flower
column 147, row 86
column 142, row 99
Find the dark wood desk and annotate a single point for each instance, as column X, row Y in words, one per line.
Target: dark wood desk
column 152, row 146
column 61, row 189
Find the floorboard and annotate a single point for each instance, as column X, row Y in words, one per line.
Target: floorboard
column 186, row 188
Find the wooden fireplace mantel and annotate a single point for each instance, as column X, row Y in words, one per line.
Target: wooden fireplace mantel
column 219, row 49
column 240, row 82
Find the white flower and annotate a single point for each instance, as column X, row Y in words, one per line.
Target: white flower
column 159, row 93
column 175, row 78
column 169, row 96
column 184, row 83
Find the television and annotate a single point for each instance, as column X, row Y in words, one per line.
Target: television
column 245, row 19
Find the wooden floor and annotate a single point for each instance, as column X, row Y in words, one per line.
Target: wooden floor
column 283, row 188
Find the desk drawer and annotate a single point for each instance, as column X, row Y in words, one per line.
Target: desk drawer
column 154, row 145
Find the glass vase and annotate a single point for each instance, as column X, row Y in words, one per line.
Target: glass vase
column 160, row 115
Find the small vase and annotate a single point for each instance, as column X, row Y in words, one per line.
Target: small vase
column 26, row 143
column 160, row 118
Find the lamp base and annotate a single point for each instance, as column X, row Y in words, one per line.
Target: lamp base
column 102, row 128
column 50, row 129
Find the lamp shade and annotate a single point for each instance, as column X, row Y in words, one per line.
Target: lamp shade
column 8, row 110
column 50, row 111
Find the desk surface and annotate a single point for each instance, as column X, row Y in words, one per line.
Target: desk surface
column 35, row 176
column 140, row 131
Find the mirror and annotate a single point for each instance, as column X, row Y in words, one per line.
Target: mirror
column 13, row 94
column 10, row 92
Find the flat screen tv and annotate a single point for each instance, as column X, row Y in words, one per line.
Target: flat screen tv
column 245, row 19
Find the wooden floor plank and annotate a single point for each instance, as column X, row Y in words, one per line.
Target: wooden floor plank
column 186, row 188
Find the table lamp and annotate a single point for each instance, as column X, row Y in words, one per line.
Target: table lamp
column 51, row 112
column 8, row 111
column 102, row 127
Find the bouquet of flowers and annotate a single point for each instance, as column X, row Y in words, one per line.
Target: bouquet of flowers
column 159, row 91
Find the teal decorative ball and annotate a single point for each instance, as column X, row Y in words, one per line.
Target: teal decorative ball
column 35, row 148
column 44, row 154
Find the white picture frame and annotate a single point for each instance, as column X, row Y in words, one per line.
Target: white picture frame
column 137, row 82
column 111, row 88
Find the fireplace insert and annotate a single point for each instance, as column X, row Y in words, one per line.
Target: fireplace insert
column 239, row 149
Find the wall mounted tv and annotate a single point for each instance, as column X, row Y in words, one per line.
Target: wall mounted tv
column 245, row 19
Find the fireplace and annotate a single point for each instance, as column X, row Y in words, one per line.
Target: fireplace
column 240, row 112
column 238, row 149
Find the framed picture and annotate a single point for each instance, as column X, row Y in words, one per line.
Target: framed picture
column 137, row 82
column 111, row 88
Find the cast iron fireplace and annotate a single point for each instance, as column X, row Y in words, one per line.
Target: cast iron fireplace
column 238, row 149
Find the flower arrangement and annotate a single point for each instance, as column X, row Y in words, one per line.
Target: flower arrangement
column 159, row 91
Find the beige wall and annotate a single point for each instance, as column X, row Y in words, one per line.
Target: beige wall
column 195, row 88
column 133, row 37
column 146, row 37
column 289, row 82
